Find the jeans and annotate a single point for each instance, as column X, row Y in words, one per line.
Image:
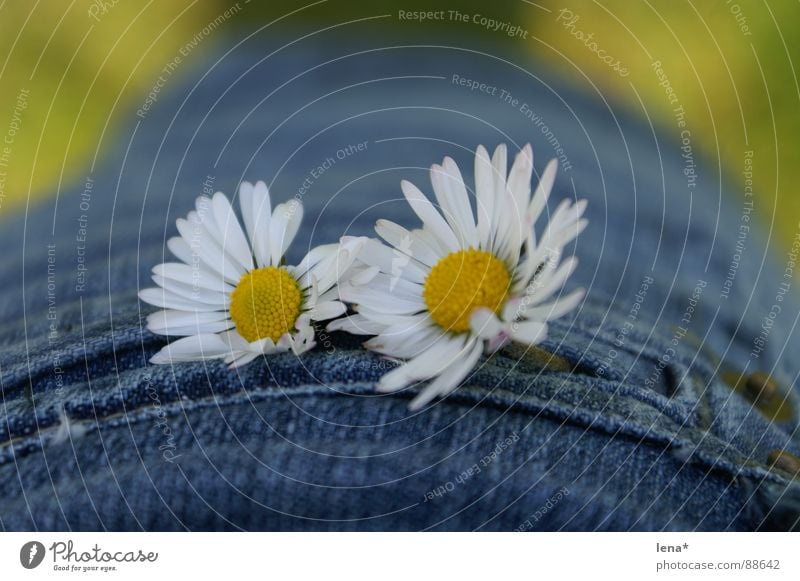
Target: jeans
column 622, row 420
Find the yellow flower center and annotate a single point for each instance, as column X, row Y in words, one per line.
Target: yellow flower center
column 463, row 281
column 265, row 303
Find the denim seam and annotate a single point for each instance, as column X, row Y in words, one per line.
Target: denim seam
column 729, row 467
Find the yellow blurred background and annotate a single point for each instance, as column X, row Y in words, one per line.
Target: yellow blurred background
column 72, row 73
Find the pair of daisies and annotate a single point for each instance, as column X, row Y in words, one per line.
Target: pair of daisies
column 435, row 298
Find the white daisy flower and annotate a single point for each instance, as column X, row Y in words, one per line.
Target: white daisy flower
column 230, row 295
column 443, row 295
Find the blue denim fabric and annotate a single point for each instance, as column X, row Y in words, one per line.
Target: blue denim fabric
column 641, row 433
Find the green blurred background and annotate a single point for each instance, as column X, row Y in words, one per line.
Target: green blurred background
column 73, row 73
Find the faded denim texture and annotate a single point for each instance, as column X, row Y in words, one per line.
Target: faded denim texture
column 642, row 434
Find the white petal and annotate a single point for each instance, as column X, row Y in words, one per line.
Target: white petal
column 377, row 300
column 513, row 309
column 499, row 168
column 165, row 299
column 396, row 287
column 177, row 323
column 408, row 242
column 431, row 240
column 450, row 378
column 302, row 339
column 529, row 332
column 543, row 189
column 405, row 341
column 364, row 276
column 194, row 348
column 329, row 295
column 178, row 246
column 240, row 359
column 519, row 179
column 314, row 257
column 430, row 363
column 195, row 329
column 484, row 323
column 192, row 275
column 565, row 224
column 242, row 351
column 388, row 319
column 327, row 310
column 246, row 206
column 233, row 239
column 432, row 219
column 183, row 252
column 567, row 227
column 505, row 210
column 391, row 261
column 204, row 214
column 193, row 293
column 356, row 325
column 458, row 191
column 262, row 212
column 451, row 193
column 527, row 267
column 539, row 291
column 267, row 346
column 511, row 223
column 235, row 341
column 337, row 266
column 488, row 326
column 285, row 223
column 484, row 194
column 203, row 245
column 562, row 228
column 555, row 309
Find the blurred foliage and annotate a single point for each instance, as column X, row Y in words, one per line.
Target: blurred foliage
column 70, row 72
column 731, row 64
column 87, row 66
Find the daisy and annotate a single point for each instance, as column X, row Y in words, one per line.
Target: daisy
column 439, row 297
column 231, row 296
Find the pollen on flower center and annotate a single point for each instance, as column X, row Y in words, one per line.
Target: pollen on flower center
column 265, row 303
column 463, row 281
